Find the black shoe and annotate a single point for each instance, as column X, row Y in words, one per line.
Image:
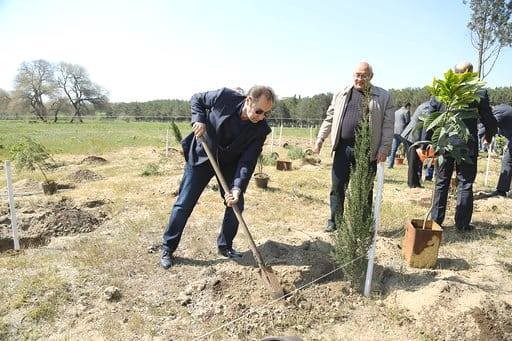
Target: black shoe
column 229, row 252
column 331, row 227
column 166, row 259
column 466, row 228
column 497, row 194
column 428, row 179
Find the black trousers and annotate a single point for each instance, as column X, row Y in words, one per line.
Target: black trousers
column 344, row 158
column 506, row 170
column 414, row 166
column 466, row 173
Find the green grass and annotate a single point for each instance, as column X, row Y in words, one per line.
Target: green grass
column 96, row 137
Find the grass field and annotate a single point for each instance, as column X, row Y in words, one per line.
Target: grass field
column 57, row 291
column 97, row 137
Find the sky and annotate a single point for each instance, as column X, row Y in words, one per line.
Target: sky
column 146, row 50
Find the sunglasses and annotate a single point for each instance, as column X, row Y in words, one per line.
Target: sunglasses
column 261, row 112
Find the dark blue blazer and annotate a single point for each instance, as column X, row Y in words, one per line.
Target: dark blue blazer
column 213, row 108
column 503, row 114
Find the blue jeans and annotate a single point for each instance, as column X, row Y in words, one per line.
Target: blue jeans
column 397, row 140
column 192, row 185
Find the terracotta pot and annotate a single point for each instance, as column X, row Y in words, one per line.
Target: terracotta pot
column 284, row 165
column 421, row 246
column 49, row 187
column 261, row 180
column 399, row 160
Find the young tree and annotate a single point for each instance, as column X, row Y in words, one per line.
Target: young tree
column 491, row 31
column 73, row 80
column 353, row 237
column 34, row 84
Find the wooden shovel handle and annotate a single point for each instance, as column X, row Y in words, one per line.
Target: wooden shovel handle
column 235, row 207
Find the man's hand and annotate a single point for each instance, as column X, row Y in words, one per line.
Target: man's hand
column 381, row 157
column 318, row 146
column 232, row 197
column 198, row 128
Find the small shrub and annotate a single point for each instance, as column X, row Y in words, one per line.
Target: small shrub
column 151, row 169
column 31, row 155
column 294, row 152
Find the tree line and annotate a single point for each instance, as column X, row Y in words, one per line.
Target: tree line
column 47, row 92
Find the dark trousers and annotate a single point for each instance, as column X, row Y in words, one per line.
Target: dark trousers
column 466, row 173
column 344, row 158
column 506, row 170
column 414, row 168
column 192, row 185
column 397, row 140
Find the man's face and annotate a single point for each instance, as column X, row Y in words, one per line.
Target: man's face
column 258, row 109
column 362, row 76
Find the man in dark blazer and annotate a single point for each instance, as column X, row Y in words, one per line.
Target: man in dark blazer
column 466, row 171
column 235, row 129
column 411, row 134
column 402, row 119
column 503, row 114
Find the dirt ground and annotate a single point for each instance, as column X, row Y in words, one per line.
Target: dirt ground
column 89, row 264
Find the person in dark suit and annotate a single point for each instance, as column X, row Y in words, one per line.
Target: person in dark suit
column 235, row 129
column 466, row 171
column 402, row 119
column 410, row 135
column 503, row 115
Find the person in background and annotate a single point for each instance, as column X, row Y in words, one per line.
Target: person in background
column 503, row 115
column 402, row 119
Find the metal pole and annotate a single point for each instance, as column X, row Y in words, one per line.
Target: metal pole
column 272, row 141
column 280, row 135
column 376, row 216
column 12, row 208
column 489, row 148
column 167, row 143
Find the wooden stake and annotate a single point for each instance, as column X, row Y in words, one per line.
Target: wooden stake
column 12, row 208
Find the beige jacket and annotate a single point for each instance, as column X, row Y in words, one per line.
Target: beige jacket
column 382, row 120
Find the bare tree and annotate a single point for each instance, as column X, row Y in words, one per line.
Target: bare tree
column 73, row 80
column 34, row 84
column 491, row 30
column 5, row 99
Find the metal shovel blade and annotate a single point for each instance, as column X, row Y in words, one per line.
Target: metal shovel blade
column 271, row 282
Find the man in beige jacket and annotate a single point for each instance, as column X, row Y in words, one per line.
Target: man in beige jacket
column 341, row 122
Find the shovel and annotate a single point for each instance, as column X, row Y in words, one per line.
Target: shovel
column 270, row 280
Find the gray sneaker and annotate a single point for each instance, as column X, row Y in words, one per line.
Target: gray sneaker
column 166, row 259
column 330, row 227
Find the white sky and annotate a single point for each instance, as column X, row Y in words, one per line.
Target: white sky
column 144, row 50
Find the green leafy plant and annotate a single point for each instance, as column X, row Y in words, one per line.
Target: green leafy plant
column 456, row 92
column 31, row 155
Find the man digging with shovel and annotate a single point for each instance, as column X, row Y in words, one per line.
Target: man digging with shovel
column 234, row 128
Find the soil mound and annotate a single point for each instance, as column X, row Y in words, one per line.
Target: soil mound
column 93, row 160
column 37, row 225
column 83, row 175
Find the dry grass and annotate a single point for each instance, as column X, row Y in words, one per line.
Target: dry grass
column 67, row 277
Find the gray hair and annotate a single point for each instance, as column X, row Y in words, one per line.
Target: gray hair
column 261, row 90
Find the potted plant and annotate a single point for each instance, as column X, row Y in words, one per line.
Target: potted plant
column 29, row 154
column 455, row 92
column 400, row 155
column 261, row 178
